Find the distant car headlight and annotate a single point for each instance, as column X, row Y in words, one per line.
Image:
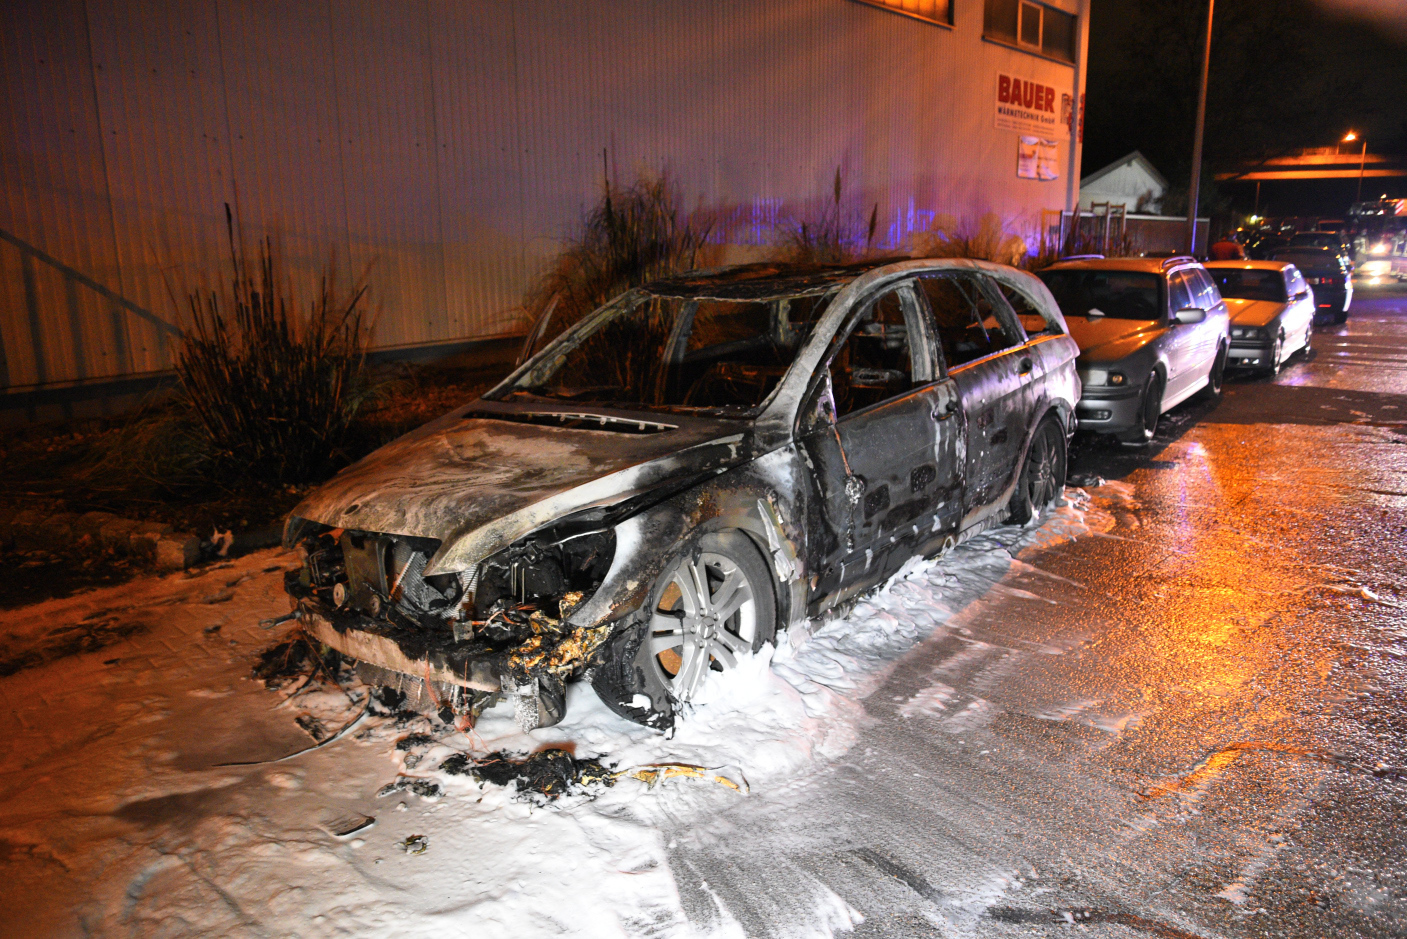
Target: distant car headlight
column 1376, row 268
column 1380, row 249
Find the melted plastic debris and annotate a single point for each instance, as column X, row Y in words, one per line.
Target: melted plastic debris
column 415, row 844
column 552, row 772
column 425, row 788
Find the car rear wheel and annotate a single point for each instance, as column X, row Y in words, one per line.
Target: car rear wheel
column 707, row 608
column 1149, row 411
column 1042, row 475
column 1341, row 317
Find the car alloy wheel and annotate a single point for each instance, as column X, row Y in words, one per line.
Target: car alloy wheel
column 1276, row 352
column 1042, row 475
column 707, row 607
column 704, row 618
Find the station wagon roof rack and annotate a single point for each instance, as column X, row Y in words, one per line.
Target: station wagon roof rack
column 1178, row 259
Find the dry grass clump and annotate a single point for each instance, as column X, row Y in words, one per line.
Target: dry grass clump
column 986, row 239
column 835, row 237
column 273, row 389
column 631, row 237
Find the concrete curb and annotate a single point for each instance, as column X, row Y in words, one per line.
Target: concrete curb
column 168, row 549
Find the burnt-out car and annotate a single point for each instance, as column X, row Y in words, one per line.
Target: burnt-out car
column 687, row 469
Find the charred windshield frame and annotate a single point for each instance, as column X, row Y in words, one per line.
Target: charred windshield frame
column 663, row 372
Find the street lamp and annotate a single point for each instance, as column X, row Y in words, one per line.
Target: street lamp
column 1350, row 137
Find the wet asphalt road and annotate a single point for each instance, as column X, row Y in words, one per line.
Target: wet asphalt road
column 1190, row 725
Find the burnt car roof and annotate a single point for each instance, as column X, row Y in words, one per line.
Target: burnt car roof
column 763, row 280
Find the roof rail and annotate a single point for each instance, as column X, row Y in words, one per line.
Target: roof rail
column 1082, row 257
column 1178, row 259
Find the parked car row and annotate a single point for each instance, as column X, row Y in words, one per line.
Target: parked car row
column 711, row 457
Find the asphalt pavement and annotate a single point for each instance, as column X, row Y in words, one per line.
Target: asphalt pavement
column 1190, row 725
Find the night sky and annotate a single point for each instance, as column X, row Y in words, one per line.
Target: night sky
column 1284, row 75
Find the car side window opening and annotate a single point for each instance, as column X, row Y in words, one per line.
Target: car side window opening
column 1297, row 281
column 1205, row 295
column 877, row 360
column 1179, row 292
column 1031, row 318
column 966, row 321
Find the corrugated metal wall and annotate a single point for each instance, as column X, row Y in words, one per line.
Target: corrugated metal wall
column 451, row 145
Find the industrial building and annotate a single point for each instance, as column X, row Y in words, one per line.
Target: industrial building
column 449, row 147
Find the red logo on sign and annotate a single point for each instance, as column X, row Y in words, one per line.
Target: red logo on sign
column 1030, row 95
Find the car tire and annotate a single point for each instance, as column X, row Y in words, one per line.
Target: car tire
column 1042, row 478
column 1150, row 410
column 1212, row 390
column 1340, row 317
column 1276, row 353
column 1308, row 348
column 652, row 667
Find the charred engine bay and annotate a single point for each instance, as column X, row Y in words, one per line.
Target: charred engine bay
column 506, row 617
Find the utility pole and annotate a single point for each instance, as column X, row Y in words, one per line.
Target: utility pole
column 1362, row 159
column 1192, row 190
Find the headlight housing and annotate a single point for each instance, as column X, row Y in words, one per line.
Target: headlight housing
column 1098, row 377
column 1247, row 332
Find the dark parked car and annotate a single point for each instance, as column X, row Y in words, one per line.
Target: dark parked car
column 1325, row 239
column 1152, row 333
column 692, row 466
column 1272, row 311
column 1330, row 276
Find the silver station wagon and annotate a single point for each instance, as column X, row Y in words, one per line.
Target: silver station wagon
column 1152, row 333
column 689, row 468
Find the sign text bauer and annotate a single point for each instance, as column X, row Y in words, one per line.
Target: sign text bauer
column 1031, row 107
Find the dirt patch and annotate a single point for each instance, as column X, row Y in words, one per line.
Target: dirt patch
column 65, row 641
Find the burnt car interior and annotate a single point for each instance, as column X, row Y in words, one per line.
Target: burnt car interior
column 722, row 349
column 967, row 323
column 1128, row 295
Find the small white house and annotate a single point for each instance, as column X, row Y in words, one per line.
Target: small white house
column 1132, row 182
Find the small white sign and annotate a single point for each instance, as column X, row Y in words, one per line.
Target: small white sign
column 1037, row 158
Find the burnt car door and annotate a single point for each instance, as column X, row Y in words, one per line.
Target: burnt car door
column 983, row 348
column 881, row 432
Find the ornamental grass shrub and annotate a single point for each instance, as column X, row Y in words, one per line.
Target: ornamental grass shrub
column 273, row 385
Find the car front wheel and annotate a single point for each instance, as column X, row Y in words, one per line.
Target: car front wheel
column 1042, row 475
column 708, row 607
column 1149, row 411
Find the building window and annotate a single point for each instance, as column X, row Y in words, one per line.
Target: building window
column 1031, row 26
column 934, row 11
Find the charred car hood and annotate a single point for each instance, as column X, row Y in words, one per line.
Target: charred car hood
column 486, row 475
column 1106, row 339
column 1252, row 312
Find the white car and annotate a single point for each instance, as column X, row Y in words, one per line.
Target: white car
column 1272, row 311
